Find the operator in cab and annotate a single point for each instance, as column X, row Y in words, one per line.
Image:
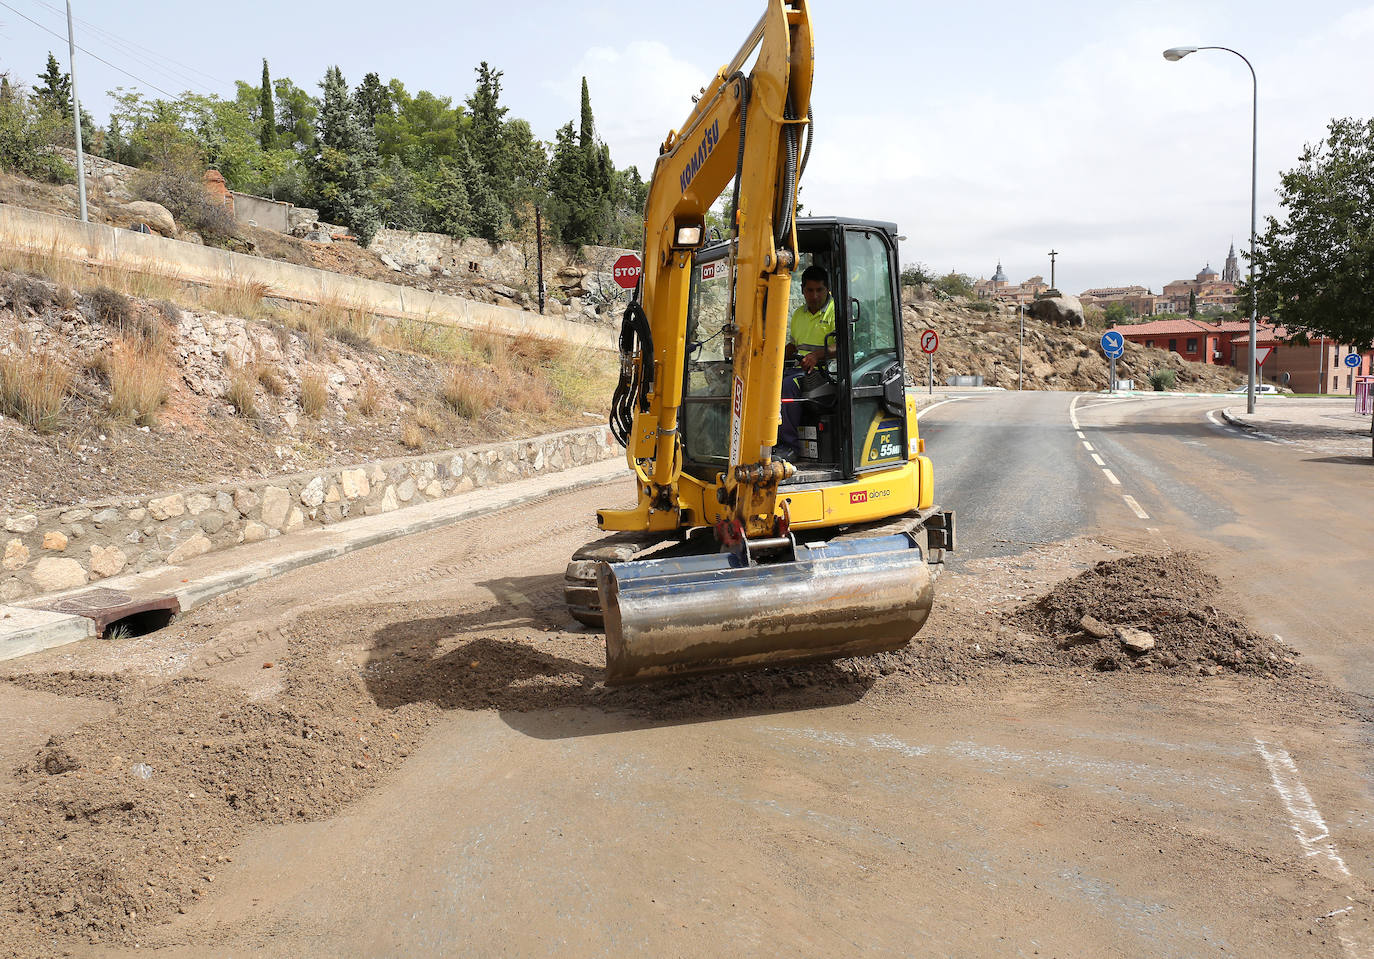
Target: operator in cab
column 809, row 343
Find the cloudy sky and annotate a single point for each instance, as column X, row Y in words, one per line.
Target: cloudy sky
column 986, row 130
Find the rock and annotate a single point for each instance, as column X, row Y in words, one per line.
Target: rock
column 276, row 501
column 1095, row 628
column 21, row 524
column 254, row 532
column 290, row 419
column 107, row 560
column 354, row 483
column 51, row 574
column 224, row 502
column 138, row 515
column 105, row 517
column 389, row 263
column 197, row 545
column 333, row 496
column 212, row 522
column 11, row 589
column 166, row 507
column 434, row 490
column 375, row 473
column 1063, row 309
column 455, row 467
column 76, row 531
column 313, row 494
column 389, row 500
column 55, row 541
column 16, row 554
column 1135, row 640
column 157, row 216
column 406, row 491
column 74, row 516
column 198, row 503
column 245, row 501
column 294, row 520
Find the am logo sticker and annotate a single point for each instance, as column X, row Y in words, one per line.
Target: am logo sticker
column 860, row 497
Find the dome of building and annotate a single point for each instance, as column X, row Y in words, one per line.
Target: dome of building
column 999, row 276
column 1208, row 271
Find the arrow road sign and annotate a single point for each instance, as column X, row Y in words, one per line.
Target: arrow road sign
column 930, row 341
column 1352, row 360
column 1113, row 343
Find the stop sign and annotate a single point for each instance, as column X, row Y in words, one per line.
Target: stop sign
column 626, row 271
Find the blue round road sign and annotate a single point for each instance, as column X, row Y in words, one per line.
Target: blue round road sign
column 1113, row 343
column 1352, row 360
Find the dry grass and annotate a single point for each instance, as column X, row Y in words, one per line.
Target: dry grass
column 33, row 387
column 269, row 378
column 466, row 392
column 139, row 376
column 314, row 394
column 234, row 297
column 369, row 397
column 412, row 437
column 347, row 322
column 242, row 392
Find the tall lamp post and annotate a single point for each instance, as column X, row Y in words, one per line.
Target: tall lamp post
column 1174, row 54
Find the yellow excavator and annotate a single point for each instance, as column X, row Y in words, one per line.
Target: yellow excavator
column 734, row 557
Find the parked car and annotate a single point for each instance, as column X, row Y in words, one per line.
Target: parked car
column 1259, row 388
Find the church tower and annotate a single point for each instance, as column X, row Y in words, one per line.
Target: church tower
column 1231, row 272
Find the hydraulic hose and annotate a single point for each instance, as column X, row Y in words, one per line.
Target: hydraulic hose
column 636, row 380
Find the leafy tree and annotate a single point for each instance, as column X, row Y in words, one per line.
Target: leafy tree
column 954, row 283
column 347, row 164
column 28, row 134
column 488, row 117
column 267, row 117
column 569, row 192
column 297, row 114
column 1117, row 312
column 1314, row 269
column 398, row 197
column 916, row 274
column 373, row 99
column 54, row 90
column 1192, row 304
column 419, row 129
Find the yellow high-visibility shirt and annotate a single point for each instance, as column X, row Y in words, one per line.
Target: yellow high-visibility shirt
column 808, row 330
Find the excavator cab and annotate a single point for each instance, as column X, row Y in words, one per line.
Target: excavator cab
column 853, row 406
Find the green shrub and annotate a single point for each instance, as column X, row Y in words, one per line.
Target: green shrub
column 983, row 306
column 27, row 137
column 1163, row 380
column 186, row 198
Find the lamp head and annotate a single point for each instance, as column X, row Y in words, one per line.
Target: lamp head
column 1174, row 54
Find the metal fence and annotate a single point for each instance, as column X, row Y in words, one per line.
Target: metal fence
column 1364, row 395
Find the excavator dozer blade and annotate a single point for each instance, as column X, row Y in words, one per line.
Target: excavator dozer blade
column 702, row 614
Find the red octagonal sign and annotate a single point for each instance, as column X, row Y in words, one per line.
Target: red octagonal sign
column 626, row 271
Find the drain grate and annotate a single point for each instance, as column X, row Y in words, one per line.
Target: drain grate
column 108, row 607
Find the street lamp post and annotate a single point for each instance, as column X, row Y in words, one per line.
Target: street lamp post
column 1174, row 54
column 1021, row 354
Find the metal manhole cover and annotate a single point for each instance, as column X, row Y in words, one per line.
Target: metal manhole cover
column 90, row 602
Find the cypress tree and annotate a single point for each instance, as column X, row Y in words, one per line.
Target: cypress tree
column 267, row 134
column 586, row 129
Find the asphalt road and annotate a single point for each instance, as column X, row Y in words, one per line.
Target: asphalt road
column 1004, row 813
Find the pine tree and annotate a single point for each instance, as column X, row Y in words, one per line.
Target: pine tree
column 488, row 116
column 347, row 165
column 586, row 130
column 54, row 91
column 489, row 218
column 448, row 207
column 267, row 131
column 373, row 98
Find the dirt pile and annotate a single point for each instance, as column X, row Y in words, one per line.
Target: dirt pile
column 122, row 821
column 974, row 343
column 1171, row 598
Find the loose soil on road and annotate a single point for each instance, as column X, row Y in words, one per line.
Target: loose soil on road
column 290, row 704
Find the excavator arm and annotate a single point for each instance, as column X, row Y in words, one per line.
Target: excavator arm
column 745, row 130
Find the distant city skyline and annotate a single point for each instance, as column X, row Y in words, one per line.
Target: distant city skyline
column 1014, row 278
column 984, row 130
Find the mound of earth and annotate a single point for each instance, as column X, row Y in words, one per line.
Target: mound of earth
column 1156, row 613
column 121, row 822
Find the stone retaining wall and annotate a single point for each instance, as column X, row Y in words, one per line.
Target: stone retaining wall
column 65, row 548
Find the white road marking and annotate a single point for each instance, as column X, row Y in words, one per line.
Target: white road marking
column 934, row 406
column 1306, row 821
column 1087, row 446
column 1135, row 507
column 1073, row 412
column 1111, row 477
column 1080, row 434
column 1098, row 460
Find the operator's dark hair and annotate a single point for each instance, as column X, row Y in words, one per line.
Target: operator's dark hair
column 816, row 273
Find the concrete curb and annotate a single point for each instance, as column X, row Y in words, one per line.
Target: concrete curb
column 31, row 627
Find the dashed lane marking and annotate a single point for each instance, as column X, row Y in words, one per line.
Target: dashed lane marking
column 1111, row 476
column 1135, row 507
column 1098, row 460
column 1080, row 434
column 1087, row 446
